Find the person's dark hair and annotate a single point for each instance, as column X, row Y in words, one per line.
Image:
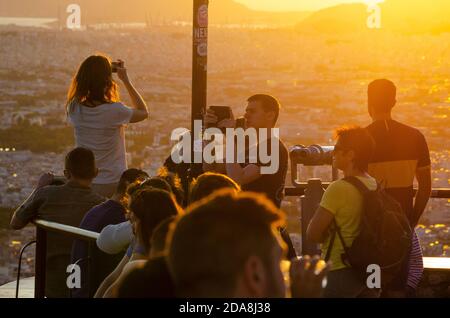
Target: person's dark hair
column 382, row 95
column 209, row 245
column 151, row 281
column 80, row 162
column 360, row 141
column 93, row 81
column 154, row 182
column 129, row 177
column 175, row 184
column 209, row 182
column 268, row 102
column 159, row 237
column 152, row 206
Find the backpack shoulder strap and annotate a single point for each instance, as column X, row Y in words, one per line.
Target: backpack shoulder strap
column 358, row 184
column 335, row 230
column 330, row 245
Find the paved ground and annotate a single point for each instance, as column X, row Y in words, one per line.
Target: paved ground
column 26, row 289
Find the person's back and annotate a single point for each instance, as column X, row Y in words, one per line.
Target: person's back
column 101, row 129
column 110, row 212
column 401, row 154
column 98, row 117
column 65, row 204
column 400, row 150
column 102, row 264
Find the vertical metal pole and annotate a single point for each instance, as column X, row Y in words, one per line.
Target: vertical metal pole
column 90, row 271
column 199, row 78
column 309, row 203
column 40, row 263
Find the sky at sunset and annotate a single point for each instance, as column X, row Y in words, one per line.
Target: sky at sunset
column 301, row 5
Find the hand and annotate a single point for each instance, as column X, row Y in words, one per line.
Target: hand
column 210, row 118
column 122, row 72
column 45, row 180
column 227, row 123
column 307, row 277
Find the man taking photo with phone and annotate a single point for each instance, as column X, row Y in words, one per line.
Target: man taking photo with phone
column 261, row 114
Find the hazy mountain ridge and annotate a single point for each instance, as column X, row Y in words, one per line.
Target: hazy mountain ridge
column 413, row 16
column 153, row 11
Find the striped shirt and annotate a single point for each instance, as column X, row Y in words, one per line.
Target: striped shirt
column 415, row 271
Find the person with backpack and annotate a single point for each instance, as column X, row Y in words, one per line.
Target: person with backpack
column 349, row 221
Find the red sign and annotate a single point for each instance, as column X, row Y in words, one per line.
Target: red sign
column 202, row 16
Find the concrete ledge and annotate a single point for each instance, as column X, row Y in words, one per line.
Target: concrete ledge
column 436, row 278
column 26, row 289
column 435, row 282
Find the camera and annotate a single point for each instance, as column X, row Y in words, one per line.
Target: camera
column 241, row 123
column 116, row 65
column 59, row 180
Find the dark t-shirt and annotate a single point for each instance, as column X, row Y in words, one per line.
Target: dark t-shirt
column 400, row 150
column 102, row 264
column 272, row 185
column 65, row 204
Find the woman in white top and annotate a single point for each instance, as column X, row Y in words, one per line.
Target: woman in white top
column 98, row 117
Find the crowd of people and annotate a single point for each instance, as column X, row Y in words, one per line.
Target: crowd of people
column 221, row 232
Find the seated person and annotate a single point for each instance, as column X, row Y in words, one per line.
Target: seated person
column 112, row 211
column 65, row 204
column 228, row 246
column 115, row 238
column 209, row 182
column 148, row 208
column 175, row 184
column 149, row 279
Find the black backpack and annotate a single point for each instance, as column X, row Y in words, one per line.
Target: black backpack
column 384, row 238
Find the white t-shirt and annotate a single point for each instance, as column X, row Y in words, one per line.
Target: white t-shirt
column 101, row 129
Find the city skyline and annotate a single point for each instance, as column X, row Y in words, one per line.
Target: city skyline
column 294, row 5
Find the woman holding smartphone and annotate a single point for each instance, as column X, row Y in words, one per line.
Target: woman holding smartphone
column 99, row 118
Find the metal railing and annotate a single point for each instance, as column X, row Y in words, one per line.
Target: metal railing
column 42, row 227
column 311, row 193
column 436, row 193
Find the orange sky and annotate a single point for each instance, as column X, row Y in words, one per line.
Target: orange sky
column 301, row 5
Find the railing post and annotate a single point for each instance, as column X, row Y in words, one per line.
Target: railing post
column 40, row 262
column 309, row 204
column 90, row 271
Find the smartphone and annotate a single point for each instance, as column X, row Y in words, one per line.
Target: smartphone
column 241, row 123
column 59, row 180
column 116, row 65
column 222, row 112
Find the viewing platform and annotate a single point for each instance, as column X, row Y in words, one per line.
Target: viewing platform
column 435, row 282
